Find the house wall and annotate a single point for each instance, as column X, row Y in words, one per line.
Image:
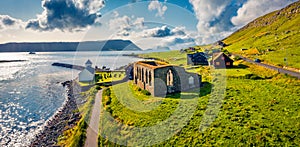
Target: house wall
column 86, row 76
column 222, row 62
column 184, row 79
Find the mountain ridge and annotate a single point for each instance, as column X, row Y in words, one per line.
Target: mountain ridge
column 107, row 45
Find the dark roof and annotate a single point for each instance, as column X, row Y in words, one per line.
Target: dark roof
column 88, row 62
column 90, row 69
column 218, row 55
column 195, row 55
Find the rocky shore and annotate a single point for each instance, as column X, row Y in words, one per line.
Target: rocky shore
column 65, row 118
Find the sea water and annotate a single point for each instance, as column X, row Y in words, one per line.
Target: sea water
column 31, row 91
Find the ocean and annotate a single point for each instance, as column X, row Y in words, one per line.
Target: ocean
column 31, row 91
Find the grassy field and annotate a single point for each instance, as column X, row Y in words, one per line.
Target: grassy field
column 272, row 38
column 260, row 108
column 75, row 137
column 172, row 57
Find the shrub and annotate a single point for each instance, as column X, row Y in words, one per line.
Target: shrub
column 98, row 87
column 252, row 76
column 145, row 92
column 107, row 92
column 108, row 101
column 236, row 58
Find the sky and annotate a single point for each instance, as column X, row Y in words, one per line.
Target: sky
column 154, row 24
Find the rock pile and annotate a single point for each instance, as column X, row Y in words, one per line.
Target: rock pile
column 64, row 119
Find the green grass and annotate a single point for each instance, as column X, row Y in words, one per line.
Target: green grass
column 281, row 36
column 75, row 137
column 172, row 57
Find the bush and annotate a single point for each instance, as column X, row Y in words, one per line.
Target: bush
column 145, row 92
column 236, row 58
column 98, row 87
column 107, row 92
column 108, row 101
column 252, row 76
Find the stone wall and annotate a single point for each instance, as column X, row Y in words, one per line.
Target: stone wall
column 143, row 77
column 160, row 81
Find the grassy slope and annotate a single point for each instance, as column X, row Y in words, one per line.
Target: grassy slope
column 278, row 31
column 258, row 112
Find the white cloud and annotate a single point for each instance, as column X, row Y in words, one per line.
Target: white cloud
column 7, row 22
column 156, row 5
column 163, row 31
column 120, row 23
column 208, row 11
column 67, row 15
column 115, row 14
column 124, row 25
column 254, row 8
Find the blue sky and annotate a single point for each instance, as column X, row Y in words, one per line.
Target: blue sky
column 149, row 24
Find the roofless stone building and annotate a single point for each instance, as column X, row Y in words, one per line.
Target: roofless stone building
column 160, row 78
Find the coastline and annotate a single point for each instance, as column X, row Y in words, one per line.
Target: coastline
column 64, row 118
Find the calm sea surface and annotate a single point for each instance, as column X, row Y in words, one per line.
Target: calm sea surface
column 30, row 91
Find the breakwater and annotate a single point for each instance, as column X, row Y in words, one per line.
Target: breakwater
column 65, row 118
column 77, row 67
column 4, row 61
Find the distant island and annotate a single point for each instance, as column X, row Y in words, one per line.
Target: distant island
column 108, row 45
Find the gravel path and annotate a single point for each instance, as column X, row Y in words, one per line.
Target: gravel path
column 92, row 130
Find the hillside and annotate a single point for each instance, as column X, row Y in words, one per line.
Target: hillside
column 109, row 45
column 273, row 38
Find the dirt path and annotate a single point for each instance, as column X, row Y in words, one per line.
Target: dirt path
column 92, row 130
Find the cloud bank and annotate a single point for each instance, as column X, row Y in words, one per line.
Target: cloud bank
column 7, row 22
column 66, row 15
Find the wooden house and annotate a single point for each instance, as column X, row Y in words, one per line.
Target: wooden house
column 198, row 58
column 221, row 60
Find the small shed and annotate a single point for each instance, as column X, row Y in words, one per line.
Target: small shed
column 88, row 74
column 221, row 60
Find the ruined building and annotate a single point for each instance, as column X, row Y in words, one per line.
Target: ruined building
column 160, row 78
